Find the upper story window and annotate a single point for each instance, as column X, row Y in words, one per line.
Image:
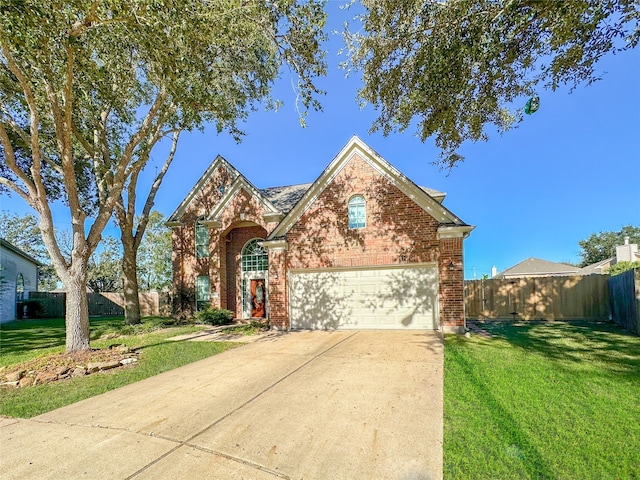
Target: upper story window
column 254, row 256
column 202, row 241
column 357, row 212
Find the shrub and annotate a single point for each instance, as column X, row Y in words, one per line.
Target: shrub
column 182, row 302
column 622, row 267
column 214, row 316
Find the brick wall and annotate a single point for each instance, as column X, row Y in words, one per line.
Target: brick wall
column 278, row 306
column 451, row 283
column 241, row 221
column 398, row 231
column 185, row 265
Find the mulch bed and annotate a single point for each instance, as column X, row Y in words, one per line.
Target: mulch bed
column 60, row 366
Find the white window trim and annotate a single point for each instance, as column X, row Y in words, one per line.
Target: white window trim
column 201, row 226
column 361, row 202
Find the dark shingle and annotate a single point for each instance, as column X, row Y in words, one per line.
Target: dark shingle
column 285, row 198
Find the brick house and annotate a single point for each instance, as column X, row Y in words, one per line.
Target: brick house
column 361, row 247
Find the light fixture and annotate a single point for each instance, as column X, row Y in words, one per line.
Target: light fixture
column 452, row 266
column 275, row 275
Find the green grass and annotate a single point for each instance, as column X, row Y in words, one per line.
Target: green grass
column 543, row 401
column 24, row 340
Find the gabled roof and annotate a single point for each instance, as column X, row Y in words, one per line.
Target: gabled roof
column 17, row 251
column 353, row 146
column 596, row 268
column 218, row 162
column 287, row 203
column 241, row 183
column 537, row 266
column 285, row 198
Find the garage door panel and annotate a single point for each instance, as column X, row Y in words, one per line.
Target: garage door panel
column 377, row 298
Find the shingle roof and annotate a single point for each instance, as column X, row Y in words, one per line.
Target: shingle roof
column 596, row 268
column 537, row 266
column 284, row 198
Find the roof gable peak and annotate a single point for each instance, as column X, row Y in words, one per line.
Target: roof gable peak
column 377, row 162
column 218, row 162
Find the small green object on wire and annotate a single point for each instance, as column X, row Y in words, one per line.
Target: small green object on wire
column 532, row 105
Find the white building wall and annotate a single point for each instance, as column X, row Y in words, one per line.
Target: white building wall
column 12, row 264
column 626, row 252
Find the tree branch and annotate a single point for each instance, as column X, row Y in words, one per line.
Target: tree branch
column 123, row 170
column 34, row 118
column 148, row 205
column 16, row 188
column 10, row 158
column 83, row 141
column 145, row 129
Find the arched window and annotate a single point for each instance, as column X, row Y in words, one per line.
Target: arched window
column 254, row 257
column 357, row 212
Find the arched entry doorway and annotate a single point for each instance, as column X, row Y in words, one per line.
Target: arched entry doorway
column 244, row 260
column 254, row 267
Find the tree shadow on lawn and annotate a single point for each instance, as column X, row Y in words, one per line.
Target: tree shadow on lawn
column 517, row 437
column 575, row 342
column 26, row 335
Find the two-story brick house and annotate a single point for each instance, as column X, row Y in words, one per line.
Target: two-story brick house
column 361, row 247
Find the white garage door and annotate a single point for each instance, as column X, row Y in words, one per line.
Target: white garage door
column 381, row 298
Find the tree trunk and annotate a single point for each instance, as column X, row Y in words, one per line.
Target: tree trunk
column 77, row 315
column 130, row 284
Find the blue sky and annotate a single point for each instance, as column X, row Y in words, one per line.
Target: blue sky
column 569, row 170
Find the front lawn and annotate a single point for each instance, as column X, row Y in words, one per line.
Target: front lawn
column 28, row 339
column 544, row 401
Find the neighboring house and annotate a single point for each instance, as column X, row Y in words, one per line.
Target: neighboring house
column 361, row 247
column 598, row 268
column 535, row 267
column 628, row 252
column 18, row 277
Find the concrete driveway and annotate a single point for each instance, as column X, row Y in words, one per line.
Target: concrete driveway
column 303, row 405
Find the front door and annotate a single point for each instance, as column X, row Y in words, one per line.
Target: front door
column 258, row 297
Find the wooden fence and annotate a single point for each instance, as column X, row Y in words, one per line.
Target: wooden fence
column 104, row 304
column 625, row 299
column 539, row 298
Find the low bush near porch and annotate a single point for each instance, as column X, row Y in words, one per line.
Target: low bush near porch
column 214, row 316
column 542, row 400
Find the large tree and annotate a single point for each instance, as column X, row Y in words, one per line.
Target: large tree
column 453, row 68
column 89, row 87
column 132, row 232
column 602, row 245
